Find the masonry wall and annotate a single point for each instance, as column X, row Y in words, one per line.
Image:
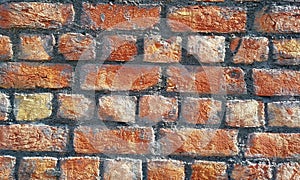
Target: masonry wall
column 150, row 89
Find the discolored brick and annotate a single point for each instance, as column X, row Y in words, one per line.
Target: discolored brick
column 251, row 171
column 288, row 170
column 125, row 169
column 287, row 51
column 7, row 167
column 209, row 170
column 165, row 169
column 4, row 107
column 6, row 51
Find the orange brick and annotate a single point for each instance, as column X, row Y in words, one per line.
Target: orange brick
column 122, row 169
column 165, row 169
column 252, row 171
column 7, row 167
column 289, row 170
column 208, row 170
column 35, row 15
column 123, row 17
column 6, row 51
column 287, row 51
column 4, row 107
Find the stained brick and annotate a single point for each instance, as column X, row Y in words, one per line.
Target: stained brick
column 5, row 107
column 165, row 169
column 289, row 170
column 251, row 171
column 126, row 169
column 208, row 170
column 287, row 51
column 7, row 167
column 6, row 51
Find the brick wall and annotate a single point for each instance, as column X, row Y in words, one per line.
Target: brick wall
column 150, row 90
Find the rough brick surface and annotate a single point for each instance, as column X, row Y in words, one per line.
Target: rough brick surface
column 165, row 169
column 207, row 170
column 290, row 170
column 126, row 169
column 6, row 51
column 5, row 107
column 287, row 51
column 7, row 167
column 251, row 171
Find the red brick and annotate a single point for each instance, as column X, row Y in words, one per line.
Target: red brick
column 75, row 107
column 208, row 170
column 155, row 108
column 206, row 80
column 165, row 169
column 34, row 75
column 273, row 145
column 7, row 167
column 287, row 51
column 202, row 142
column 119, row 48
column 4, row 107
column 6, row 51
column 27, row 137
column 123, row 140
column 276, row 82
column 207, row 19
column 245, row 113
column 278, row 19
column 251, row 171
column 35, row 15
column 159, row 50
column 123, row 17
column 248, row 50
column 79, row 168
column 207, row 49
column 122, row 169
column 286, row 113
column 75, row 46
column 289, row 170
column 37, row 168
column 201, row 110
column 117, row 108
column 119, row 78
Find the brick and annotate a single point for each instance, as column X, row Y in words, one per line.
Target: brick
column 78, row 168
column 201, row 110
column 278, row 19
column 35, row 75
column 286, row 113
column 207, row 19
column 75, row 107
column 245, row 113
column 7, row 167
column 202, row 142
column 35, row 15
column 117, row 108
column 160, row 50
column 207, row 49
column 123, row 140
column 209, row 170
column 122, row 17
column 248, row 50
column 37, row 168
column 287, row 51
column 33, row 107
column 165, row 169
column 289, row 170
column 4, row 107
column 206, row 80
column 119, row 78
column 155, row 108
column 251, row 171
column 6, row 51
column 25, row 137
column 119, row 48
column 76, row 46
column 276, row 82
column 273, row 145
column 36, row 47
column 126, row 169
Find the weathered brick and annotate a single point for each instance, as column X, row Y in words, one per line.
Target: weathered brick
column 286, row 113
column 119, row 48
column 289, row 170
column 79, row 168
column 203, row 142
column 276, row 82
column 209, row 170
column 117, row 108
column 7, row 167
column 119, row 78
column 278, row 19
column 207, row 49
column 36, row 47
column 245, row 113
column 248, row 50
column 161, row 50
column 25, row 137
column 123, row 17
column 273, row 145
column 6, row 51
column 165, row 169
column 207, row 19
column 75, row 46
column 4, row 107
column 37, row 168
column 155, row 108
column 123, row 140
column 35, row 15
column 287, row 51
column 206, row 80
column 251, row 171
column 35, row 75
column 75, row 107
column 201, row 110
column 126, row 169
